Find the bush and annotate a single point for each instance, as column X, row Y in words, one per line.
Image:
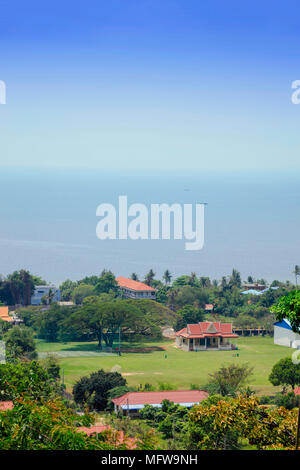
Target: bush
column 93, row 391
column 288, row 400
column 20, row 344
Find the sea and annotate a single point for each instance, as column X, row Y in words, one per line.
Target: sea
column 48, row 222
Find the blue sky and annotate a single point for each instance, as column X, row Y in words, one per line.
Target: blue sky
column 150, row 84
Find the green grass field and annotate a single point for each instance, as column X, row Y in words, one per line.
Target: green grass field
column 169, row 364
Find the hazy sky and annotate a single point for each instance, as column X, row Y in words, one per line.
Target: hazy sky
column 150, row 84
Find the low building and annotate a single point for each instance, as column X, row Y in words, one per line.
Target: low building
column 206, row 336
column 209, row 307
column 66, row 303
column 43, row 291
column 6, row 405
column 285, row 336
column 132, row 402
column 254, row 286
column 135, row 289
column 258, row 291
column 10, row 317
column 4, row 316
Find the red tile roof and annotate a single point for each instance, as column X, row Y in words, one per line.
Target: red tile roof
column 209, row 306
column 297, row 390
column 155, row 398
column 116, row 437
column 204, row 329
column 6, row 405
column 4, row 314
column 97, row 428
column 133, row 285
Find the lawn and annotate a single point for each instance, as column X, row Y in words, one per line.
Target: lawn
column 168, row 364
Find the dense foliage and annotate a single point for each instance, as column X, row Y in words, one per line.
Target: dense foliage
column 93, row 391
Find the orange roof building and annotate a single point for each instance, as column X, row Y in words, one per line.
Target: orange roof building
column 114, row 436
column 135, row 401
column 206, row 336
column 6, row 405
column 4, row 315
column 135, row 289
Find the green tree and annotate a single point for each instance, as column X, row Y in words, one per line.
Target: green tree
column 19, row 344
column 188, row 314
column 66, row 289
column 296, row 272
column 21, row 286
column 106, row 283
column 93, row 390
column 285, row 372
column 149, row 277
column 167, row 277
column 81, row 292
column 235, row 279
column 28, row 379
column 229, row 379
column 288, row 307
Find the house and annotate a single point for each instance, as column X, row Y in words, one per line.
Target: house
column 132, row 402
column 285, row 336
column 135, row 289
column 4, row 316
column 254, row 286
column 66, row 303
column 258, row 291
column 205, row 336
column 209, row 307
column 11, row 318
column 43, row 291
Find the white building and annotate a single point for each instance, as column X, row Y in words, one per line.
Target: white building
column 285, row 336
column 135, row 289
column 42, row 291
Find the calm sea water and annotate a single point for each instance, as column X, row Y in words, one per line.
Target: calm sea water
column 48, row 221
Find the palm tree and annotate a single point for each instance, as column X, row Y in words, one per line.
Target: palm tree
column 167, row 277
column 134, row 277
column 297, row 273
column 149, row 277
column 192, row 279
column 172, row 294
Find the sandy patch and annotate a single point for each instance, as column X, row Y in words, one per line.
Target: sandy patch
column 128, row 374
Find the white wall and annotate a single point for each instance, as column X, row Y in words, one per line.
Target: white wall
column 285, row 337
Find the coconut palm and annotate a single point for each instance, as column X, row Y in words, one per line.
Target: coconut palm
column 149, row 277
column 167, row 277
column 172, row 294
column 297, row 273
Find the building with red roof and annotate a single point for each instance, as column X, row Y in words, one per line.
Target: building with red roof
column 6, row 405
column 205, row 336
column 135, row 289
column 132, row 402
column 113, row 436
column 297, row 390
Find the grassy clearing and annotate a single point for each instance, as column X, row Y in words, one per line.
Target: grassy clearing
column 171, row 365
